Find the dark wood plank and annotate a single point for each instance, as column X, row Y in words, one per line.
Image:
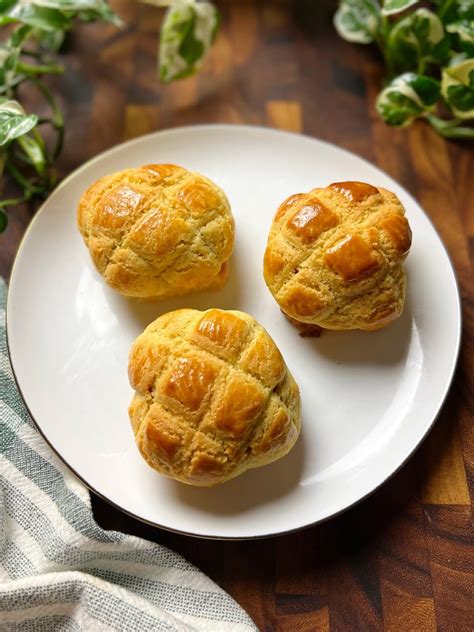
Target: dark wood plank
column 452, row 564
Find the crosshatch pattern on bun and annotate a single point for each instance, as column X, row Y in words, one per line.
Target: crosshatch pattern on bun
column 157, row 231
column 334, row 256
column 213, row 396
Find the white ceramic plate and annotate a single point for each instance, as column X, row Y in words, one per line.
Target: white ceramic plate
column 368, row 398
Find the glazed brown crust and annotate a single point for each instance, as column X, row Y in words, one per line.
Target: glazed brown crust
column 157, row 231
column 213, row 396
column 334, row 256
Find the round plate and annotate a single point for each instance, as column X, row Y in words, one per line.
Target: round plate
column 368, row 398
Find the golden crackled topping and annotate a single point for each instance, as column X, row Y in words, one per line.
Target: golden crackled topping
column 302, row 301
column 190, row 381
column 329, row 248
column 157, row 231
column 398, row 231
column 223, row 332
column 354, row 191
column 217, row 398
column 352, row 258
column 118, row 207
column 241, row 404
column 311, row 220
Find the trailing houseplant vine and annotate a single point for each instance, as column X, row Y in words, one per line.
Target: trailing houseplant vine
column 428, row 50
column 34, row 32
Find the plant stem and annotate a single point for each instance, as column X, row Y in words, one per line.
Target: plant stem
column 453, row 128
column 421, row 66
column 445, row 8
column 40, row 69
column 14, row 201
column 45, row 121
column 382, row 39
column 20, row 155
column 32, row 53
column 8, row 89
column 27, row 187
column 40, row 141
column 3, row 160
column 57, row 121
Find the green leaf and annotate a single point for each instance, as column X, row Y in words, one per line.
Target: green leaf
column 191, row 48
column 458, row 59
column 41, row 17
column 457, row 88
column 357, row 20
column 417, row 38
column 35, row 153
column 8, row 63
column 69, row 5
column 19, row 36
column 5, row 5
column 14, row 122
column 406, row 98
column 464, row 29
column 465, row 9
column 50, row 15
column 391, row 7
column 397, row 109
column 188, row 31
column 104, row 13
column 3, row 220
column 51, row 40
column 9, row 57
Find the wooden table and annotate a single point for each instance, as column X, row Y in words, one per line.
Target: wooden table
column 403, row 559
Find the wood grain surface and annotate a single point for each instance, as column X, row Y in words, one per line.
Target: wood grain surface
column 404, row 558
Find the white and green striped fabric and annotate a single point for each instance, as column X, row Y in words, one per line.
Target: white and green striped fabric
column 60, row 571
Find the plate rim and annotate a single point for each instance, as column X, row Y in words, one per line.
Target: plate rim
column 252, row 128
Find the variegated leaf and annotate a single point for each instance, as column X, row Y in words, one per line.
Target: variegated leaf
column 188, row 31
column 457, row 88
column 406, row 98
column 14, row 122
column 357, row 20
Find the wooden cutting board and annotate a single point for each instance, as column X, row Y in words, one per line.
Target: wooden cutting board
column 404, row 558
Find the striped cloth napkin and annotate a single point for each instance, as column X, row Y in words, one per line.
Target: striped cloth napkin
column 60, row 571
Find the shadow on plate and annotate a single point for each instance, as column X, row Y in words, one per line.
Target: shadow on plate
column 253, row 488
column 387, row 346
